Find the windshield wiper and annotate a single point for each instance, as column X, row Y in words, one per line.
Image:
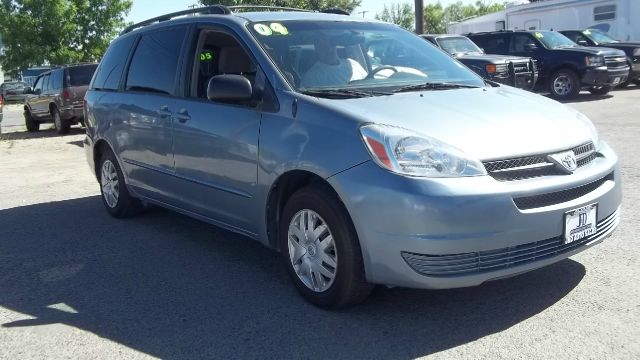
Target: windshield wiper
column 434, row 86
column 343, row 93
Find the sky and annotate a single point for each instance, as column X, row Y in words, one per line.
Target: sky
column 146, row 9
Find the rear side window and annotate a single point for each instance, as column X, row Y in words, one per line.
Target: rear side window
column 154, row 65
column 56, row 79
column 112, row 65
column 491, row 44
column 80, row 75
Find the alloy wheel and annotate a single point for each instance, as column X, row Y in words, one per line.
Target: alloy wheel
column 562, row 85
column 109, row 183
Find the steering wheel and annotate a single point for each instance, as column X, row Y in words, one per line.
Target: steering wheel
column 378, row 69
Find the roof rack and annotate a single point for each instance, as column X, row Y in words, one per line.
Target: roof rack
column 264, row 7
column 222, row 10
column 206, row 10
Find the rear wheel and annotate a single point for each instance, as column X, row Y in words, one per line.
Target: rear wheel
column 321, row 250
column 115, row 195
column 62, row 125
column 564, row 84
column 31, row 124
column 600, row 90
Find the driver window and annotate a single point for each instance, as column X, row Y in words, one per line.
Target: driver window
column 38, row 84
column 219, row 53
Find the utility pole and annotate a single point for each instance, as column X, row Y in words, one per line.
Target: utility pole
column 419, row 10
column 362, row 12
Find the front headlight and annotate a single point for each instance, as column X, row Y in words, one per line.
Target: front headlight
column 408, row 153
column 594, row 61
column 636, row 52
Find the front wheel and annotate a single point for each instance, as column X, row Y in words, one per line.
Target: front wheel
column 600, row 90
column 564, row 84
column 321, row 249
column 115, row 195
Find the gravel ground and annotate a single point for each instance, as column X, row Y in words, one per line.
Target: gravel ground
column 75, row 283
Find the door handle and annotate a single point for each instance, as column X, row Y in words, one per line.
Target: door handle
column 164, row 111
column 183, row 116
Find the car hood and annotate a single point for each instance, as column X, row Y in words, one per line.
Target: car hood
column 495, row 59
column 485, row 123
column 602, row 51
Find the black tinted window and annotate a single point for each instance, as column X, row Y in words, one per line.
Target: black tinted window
column 155, row 61
column 112, row 64
column 80, row 75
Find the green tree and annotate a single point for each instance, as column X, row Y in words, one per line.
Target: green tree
column 434, row 19
column 399, row 14
column 37, row 32
column 347, row 5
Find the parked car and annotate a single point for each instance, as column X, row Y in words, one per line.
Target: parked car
column 593, row 37
column 509, row 70
column 564, row 68
column 14, row 91
column 57, row 97
column 428, row 178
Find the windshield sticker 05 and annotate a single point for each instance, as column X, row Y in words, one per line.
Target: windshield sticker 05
column 539, row 35
column 587, row 32
column 271, row 29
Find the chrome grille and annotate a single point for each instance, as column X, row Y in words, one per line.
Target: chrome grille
column 615, row 62
column 536, row 165
column 492, row 260
column 558, row 197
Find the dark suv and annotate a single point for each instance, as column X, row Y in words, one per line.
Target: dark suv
column 564, row 67
column 592, row 37
column 57, row 97
column 509, row 70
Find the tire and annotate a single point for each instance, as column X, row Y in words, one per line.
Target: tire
column 31, row 124
column 348, row 285
column 637, row 82
column 564, row 84
column 122, row 204
column 601, row 90
column 62, row 125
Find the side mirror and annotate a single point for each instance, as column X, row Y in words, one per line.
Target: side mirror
column 583, row 43
column 28, row 90
column 530, row 47
column 229, row 88
column 37, row 91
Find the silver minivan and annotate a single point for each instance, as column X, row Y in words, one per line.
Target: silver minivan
column 361, row 163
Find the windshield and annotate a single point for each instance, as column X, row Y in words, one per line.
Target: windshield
column 554, row 40
column 599, row 36
column 458, row 44
column 332, row 55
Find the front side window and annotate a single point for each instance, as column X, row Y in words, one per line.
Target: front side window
column 219, row 53
column 599, row 36
column 38, row 84
column 45, row 82
column 458, row 45
column 352, row 55
column 154, row 65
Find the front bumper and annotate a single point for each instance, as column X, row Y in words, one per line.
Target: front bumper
column 395, row 215
column 602, row 76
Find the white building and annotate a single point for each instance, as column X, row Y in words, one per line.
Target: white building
column 620, row 18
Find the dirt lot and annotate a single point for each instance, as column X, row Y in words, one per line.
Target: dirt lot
column 75, row 283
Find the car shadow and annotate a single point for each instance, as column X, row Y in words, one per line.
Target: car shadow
column 44, row 133
column 584, row 97
column 173, row 287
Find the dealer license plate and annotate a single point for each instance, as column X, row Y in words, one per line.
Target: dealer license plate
column 580, row 223
column 616, row 81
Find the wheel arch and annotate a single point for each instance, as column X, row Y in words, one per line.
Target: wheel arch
column 281, row 190
column 101, row 146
